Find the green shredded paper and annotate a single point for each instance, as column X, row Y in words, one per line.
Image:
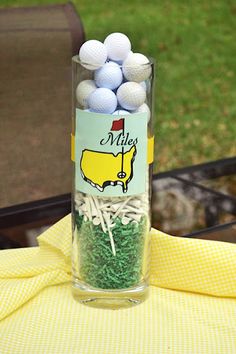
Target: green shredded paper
column 98, row 266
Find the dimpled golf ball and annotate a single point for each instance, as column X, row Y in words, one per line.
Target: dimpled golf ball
column 143, row 109
column 102, row 100
column 144, row 85
column 120, row 112
column 136, row 67
column 93, row 54
column 131, row 95
column 109, row 76
column 118, row 46
column 83, row 90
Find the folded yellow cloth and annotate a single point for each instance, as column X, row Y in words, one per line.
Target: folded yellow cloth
column 39, row 314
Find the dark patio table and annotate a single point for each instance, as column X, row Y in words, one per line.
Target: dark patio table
column 197, row 201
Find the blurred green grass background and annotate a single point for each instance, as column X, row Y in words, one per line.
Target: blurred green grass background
column 194, row 45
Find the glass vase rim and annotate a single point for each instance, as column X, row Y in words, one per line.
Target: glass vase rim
column 76, row 60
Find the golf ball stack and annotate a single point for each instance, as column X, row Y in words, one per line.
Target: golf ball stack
column 118, row 79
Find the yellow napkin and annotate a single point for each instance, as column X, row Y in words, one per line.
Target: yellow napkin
column 39, row 314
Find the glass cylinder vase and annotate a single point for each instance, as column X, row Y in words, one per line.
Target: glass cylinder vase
column 112, row 151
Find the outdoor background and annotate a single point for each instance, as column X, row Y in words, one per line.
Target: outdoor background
column 194, row 45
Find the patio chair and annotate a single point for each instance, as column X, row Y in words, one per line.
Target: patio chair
column 36, row 46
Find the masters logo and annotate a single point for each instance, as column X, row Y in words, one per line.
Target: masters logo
column 101, row 169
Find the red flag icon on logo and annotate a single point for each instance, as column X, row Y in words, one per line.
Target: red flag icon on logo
column 118, row 124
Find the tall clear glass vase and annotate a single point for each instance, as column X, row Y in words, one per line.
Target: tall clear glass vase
column 112, row 155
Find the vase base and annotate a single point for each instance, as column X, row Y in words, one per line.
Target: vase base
column 109, row 299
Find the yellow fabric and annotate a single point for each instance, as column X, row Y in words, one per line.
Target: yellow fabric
column 39, row 314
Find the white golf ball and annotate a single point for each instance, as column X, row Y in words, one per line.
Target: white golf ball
column 143, row 84
column 83, row 90
column 144, row 109
column 136, row 67
column 120, row 112
column 102, row 100
column 131, row 95
column 93, row 54
column 118, row 46
column 109, row 76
